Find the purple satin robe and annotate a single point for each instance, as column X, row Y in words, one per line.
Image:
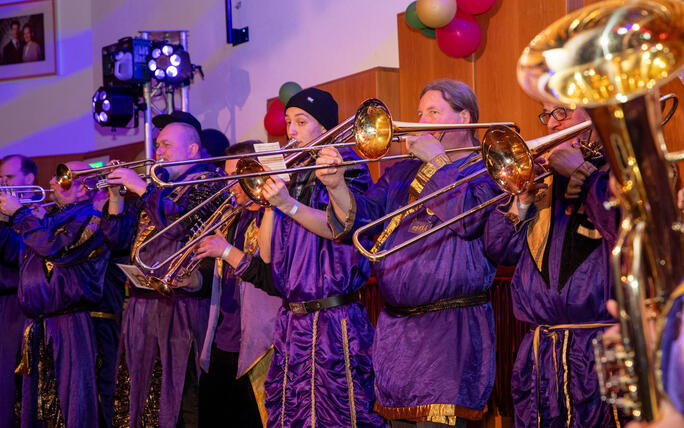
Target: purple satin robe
column 310, row 381
column 248, row 314
column 566, row 391
column 171, row 329
column 673, row 354
column 12, row 319
column 444, row 357
column 58, row 300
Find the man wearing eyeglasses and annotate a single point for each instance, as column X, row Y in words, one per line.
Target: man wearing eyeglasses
column 559, row 236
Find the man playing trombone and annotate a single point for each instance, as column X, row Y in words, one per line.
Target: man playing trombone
column 320, row 373
column 161, row 336
column 15, row 170
column 434, row 350
column 559, row 236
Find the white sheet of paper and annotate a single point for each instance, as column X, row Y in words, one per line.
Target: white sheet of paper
column 274, row 162
column 135, row 275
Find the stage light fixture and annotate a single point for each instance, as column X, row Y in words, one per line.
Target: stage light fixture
column 114, row 106
column 170, row 64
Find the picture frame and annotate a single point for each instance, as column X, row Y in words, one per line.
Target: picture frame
column 27, row 39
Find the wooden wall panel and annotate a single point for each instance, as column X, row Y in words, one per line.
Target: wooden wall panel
column 509, row 27
column 421, row 61
column 350, row 91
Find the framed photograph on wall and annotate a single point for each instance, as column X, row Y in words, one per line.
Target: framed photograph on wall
column 27, row 39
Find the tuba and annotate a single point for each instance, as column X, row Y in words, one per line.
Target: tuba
column 610, row 58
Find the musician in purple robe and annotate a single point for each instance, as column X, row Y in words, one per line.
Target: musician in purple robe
column 162, row 336
column 15, row 170
column 63, row 262
column 560, row 236
column 237, row 338
column 434, row 350
column 320, row 373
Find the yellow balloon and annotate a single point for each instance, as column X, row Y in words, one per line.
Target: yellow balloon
column 436, row 13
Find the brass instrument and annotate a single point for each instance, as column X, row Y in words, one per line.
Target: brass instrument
column 509, row 161
column 373, row 131
column 65, row 176
column 18, row 191
column 610, row 58
column 169, row 273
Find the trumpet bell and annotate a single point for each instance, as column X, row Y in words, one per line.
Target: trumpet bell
column 507, row 159
column 613, row 50
column 373, row 129
column 253, row 186
column 64, row 177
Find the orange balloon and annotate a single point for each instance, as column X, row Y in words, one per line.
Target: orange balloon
column 436, row 13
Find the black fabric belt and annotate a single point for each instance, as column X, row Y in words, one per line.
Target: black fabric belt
column 8, row 291
column 439, row 305
column 316, row 305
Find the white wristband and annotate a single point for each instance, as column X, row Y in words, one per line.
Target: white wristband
column 294, row 209
column 224, row 255
column 522, row 208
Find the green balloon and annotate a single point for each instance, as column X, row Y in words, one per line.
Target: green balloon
column 287, row 91
column 412, row 17
column 428, row 32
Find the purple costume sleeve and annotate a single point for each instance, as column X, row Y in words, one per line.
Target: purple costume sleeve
column 595, row 191
column 10, row 245
column 120, row 229
column 43, row 236
column 504, row 236
column 460, row 200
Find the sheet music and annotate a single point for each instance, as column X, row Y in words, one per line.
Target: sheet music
column 274, row 162
column 135, row 275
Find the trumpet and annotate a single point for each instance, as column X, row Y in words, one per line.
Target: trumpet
column 34, row 190
column 598, row 58
column 65, row 176
column 508, row 160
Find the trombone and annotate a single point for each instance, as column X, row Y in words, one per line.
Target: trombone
column 29, row 190
column 373, row 130
column 65, row 176
column 508, row 160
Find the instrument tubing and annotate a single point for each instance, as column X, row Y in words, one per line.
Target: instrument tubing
column 474, row 299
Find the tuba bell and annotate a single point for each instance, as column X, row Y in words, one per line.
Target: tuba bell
column 610, row 58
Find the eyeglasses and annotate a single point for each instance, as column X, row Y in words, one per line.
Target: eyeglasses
column 559, row 113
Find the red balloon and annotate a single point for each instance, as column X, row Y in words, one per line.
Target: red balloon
column 276, row 105
column 475, row 7
column 460, row 37
column 274, row 122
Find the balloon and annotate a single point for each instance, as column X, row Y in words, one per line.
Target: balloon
column 436, row 13
column 428, row 32
column 460, row 37
column 475, row 7
column 287, row 91
column 277, row 105
column 274, row 122
column 412, row 17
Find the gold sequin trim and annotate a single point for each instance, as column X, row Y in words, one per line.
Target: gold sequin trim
column 566, row 376
column 347, row 368
column 282, row 409
column 313, row 369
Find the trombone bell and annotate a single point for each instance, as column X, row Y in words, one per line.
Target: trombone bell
column 507, row 159
column 252, row 186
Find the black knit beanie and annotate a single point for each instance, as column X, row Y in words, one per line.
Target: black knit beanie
column 319, row 104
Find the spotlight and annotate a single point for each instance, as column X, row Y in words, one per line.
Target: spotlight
column 170, row 64
column 114, row 106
